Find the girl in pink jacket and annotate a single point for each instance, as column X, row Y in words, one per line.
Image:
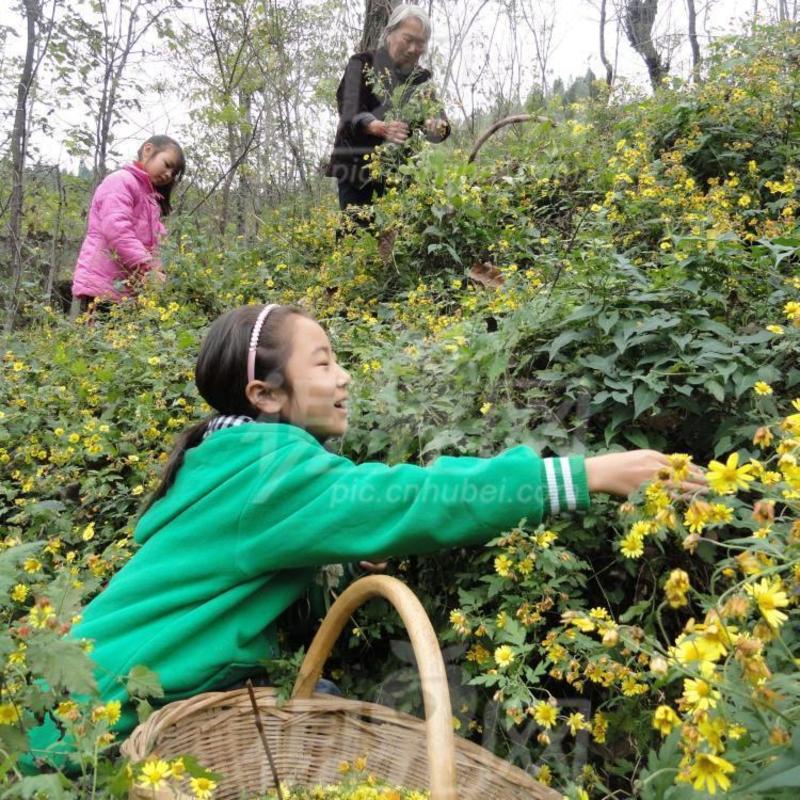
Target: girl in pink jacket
column 125, row 227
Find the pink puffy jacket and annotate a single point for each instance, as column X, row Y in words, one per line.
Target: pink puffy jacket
column 122, row 236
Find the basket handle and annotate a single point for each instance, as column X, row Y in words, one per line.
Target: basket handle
column 435, row 693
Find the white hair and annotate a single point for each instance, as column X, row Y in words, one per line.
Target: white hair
column 401, row 14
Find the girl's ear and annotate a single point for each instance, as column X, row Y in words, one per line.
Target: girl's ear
column 147, row 152
column 267, row 399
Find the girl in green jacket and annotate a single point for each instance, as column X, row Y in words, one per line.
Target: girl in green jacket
column 252, row 504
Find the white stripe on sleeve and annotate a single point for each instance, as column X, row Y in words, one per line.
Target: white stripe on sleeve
column 569, row 488
column 552, row 485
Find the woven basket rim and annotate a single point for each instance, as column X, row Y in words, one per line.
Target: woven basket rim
column 141, row 742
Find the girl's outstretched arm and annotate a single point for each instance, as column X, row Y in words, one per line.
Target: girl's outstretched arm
column 311, row 507
column 622, row 473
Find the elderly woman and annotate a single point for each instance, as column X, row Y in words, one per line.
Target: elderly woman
column 364, row 101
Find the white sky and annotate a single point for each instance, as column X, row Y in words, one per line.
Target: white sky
column 574, row 49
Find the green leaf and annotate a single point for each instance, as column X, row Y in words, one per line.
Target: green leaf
column 783, row 773
column 61, row 663
column 9, row 563
column 643, row 398
column 143, row 682
column 50, row 786
column 637, row 438
column 635, row 610
column 561, row 340
column 12, row 739
column 716, row 390
column 608, row 320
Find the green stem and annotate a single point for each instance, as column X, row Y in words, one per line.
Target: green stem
column 94, row 770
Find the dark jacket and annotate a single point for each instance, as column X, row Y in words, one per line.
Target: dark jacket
column 358, row 103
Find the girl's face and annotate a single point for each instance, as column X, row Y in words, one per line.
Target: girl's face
column 160, row 166
column 317, row 401
column 406, row 43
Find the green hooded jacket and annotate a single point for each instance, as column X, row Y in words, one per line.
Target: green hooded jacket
column 255, row 510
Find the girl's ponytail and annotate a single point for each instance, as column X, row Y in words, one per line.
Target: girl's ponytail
column 190, row 438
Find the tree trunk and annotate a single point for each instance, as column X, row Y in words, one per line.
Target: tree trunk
column 229, row 177
column 696, row 58
column 244, row 191
column 19, row 153
column 52, row 270
column 639, row 18
column 603, row 56
column 376, row 16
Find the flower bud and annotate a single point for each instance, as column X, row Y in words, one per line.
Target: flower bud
column 764, row 511
column 659, row 666
column 690, row 542
column 763, row 437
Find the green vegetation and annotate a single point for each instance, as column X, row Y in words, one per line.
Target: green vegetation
column 650, row 297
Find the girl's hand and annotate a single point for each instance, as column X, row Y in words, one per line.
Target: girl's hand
column 623, row 473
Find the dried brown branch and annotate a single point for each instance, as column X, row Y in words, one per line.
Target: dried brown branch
column 264, row 742
column 501, row 123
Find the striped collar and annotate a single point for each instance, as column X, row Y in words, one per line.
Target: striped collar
column 223, row 421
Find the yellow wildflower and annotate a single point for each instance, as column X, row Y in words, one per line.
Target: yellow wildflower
column 762, row 388
column 40, row 615
column 676, row 588
column 503, row 566
column 680, row 463
column 202, row 788
column 504, row 656
column 545, row 714
column 599, row 727
column 710, row 771
column 458, row 620
column 697, row 516
column 8, row 714
column 154, row 773
column 632, row 545
column 577, row 722
column 19, row 593
column 769, row 595
column 699, row 695
column 31, row 565
column 727, row 478
column 665, row 719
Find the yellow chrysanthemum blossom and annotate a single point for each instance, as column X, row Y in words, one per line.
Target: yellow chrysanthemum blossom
column 699, row 694
column 769, row 596
column 8, row 714
column 545, row 714
column 762, row 388
column 503, row 566
column 709, row 772
column 504, row 656
column 665, row 719
column 729, row 477
column 632, row 545
column 203, row 788
column 677, row 587
column 154, row 774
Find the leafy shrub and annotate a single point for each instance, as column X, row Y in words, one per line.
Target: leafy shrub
column 647, row 298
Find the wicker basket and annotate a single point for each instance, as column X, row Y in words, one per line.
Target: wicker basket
column 309, row 736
